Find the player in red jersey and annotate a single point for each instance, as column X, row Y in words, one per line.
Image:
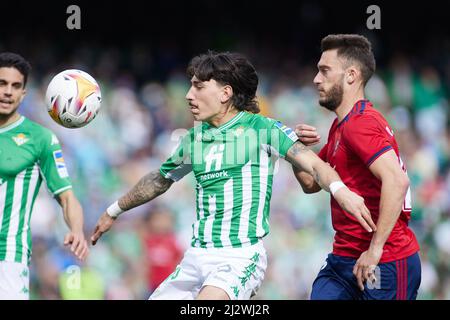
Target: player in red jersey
column 362, row 148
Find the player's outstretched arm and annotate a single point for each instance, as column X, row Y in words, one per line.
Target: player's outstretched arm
column 149, row 187
column 73, row 215
column 328, row 179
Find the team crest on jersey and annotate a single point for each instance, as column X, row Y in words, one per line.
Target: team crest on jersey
column 336, row 145
column 198, row 137
column 286, row 130
column 20, row 139
column 60, row 164
column 239, row 131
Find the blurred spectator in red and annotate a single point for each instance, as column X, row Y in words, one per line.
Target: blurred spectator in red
column 161, row 246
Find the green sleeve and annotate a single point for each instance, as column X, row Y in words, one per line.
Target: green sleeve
column 52, row 165
column 179, row 164
column 281, row 137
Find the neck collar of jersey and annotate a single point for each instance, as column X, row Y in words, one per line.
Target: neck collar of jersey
column 230, row 122
column 358, row 107
column 12, row 125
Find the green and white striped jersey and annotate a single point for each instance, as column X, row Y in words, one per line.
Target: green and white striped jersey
column 233, row 166
column 29, row 153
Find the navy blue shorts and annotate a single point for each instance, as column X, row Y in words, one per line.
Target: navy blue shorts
column 396, row 280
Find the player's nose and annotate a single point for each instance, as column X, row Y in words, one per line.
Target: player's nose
column 317, row 79
column 189, row 96
column 7, row 91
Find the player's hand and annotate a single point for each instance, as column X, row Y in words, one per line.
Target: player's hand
column 103, row 225
column 354, row 204
column 307, row 134
column 78, row 244
column 364, row 269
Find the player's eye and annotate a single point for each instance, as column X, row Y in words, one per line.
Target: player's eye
column 324, row 70
column 197, row 84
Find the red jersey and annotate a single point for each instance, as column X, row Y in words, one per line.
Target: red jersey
column 164, row 254
column 353, row 145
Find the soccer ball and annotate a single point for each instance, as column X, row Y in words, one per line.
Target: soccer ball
column 73, row 98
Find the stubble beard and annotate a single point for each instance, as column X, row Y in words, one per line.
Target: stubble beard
column 333, row 98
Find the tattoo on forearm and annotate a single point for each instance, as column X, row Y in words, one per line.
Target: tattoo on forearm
column 317, row 178
column 148, row 188
column 297, row 148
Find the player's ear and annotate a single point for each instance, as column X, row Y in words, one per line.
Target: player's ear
column 351, row 75
column 24, row 92
column 227, row 93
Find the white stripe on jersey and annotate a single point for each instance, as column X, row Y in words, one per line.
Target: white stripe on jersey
column 263, row 178
column 227, row 213
column 3, row 188
column 201, row 213
column 14, row 218
column 31, row 189
column 275, row 157
column 246, row 203
column 207, row 232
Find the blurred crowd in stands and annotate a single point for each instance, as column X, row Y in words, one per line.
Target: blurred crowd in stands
column 141, row 121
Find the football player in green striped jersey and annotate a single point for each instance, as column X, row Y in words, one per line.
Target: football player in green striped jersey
column 232, row 154
column 29, row 154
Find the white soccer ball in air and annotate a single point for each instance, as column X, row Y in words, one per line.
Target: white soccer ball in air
column 73, row 98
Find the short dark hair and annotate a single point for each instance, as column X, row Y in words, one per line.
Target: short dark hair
column 13, row 60
column 229, row 68
column 352, row 47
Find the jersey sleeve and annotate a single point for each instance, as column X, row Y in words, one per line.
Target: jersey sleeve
column 179, row 163
column 281, row 137
column 52, row 165
column 367, row 138
column 323, row 153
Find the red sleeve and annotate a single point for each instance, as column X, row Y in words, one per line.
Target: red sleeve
column 323, row 153
column 367, row 138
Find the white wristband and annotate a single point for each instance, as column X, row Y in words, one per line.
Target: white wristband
column 335, row 186
column 114, row 210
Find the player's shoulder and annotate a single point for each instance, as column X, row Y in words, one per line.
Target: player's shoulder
column 365, row 115
column 32, row 125
column 257, row 120
column 39, row 131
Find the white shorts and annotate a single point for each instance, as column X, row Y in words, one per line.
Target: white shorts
column 238, row 271
column 14, row 281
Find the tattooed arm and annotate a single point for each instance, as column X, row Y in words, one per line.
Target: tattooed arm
column 149, row 187
column 306, row 160
column 307, row 182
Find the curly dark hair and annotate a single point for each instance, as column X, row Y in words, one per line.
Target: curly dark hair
column 228, row 68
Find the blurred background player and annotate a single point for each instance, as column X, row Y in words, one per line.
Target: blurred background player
column 29, row 153
column 162, row 250
column 232, row 155
column 362, row 148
